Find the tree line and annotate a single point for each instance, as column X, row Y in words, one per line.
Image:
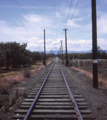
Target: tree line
column 15, row 54
column 101, row 54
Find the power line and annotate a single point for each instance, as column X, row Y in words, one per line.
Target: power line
column 52, row 35
column 69, row 12
column 20, row 6
column 74, row 9
column 55, row 16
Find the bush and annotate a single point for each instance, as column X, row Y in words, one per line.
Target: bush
column 3, row 100
column 4, row 90
column 26, row 73
column 24, row 93
column 13, row 100
column 72, row 64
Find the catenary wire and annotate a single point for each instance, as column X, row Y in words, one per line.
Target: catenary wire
column 20, row 6
column 55, row 17
column 69, row 12
column 74, row 9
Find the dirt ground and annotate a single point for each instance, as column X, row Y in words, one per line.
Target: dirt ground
column 96, row 98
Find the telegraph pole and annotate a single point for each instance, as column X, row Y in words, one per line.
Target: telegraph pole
column 44, row 62
column 94, row 45
column 62, row 51
column 66, row 46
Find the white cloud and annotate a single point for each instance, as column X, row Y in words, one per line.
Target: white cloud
column 102, row 24
column 85, row 44
column 19, row 28
column 38, row 21
column 72, row 23
column 32, row 18
column 30, row 29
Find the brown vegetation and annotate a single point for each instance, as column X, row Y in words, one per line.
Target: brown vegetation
column 102, row 74
column 9, row 102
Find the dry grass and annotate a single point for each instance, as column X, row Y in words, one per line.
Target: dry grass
column 9, row 78
column 8, row 101
column 36, row 70
column 8, row 81
column 102, row 74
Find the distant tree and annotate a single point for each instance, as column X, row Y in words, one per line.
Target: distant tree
column 7, row 59
column 36, row 56
column 16, row 54
column 71, row 57
column 2, row 55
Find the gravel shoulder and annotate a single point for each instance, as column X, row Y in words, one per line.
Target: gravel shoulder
column 96, row 98
column 29, row 83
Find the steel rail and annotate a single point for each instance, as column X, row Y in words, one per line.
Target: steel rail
column 33, row 104
column 71, row 95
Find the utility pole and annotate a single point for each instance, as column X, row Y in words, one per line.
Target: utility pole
column 66, row 46
column 62, row 51
column 44, row 62
column 94, row 45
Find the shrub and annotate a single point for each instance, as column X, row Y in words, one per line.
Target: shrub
column 72, row 64
column 12, row 100
column 4, row 90
column 3, row 99
column 24, row 93
column 26, row 73
column 17, row 93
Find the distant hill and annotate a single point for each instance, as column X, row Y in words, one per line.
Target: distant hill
column 56, row 51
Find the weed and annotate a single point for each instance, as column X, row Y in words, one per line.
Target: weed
column 24, row 93
column 16, row 105
column 71, row 63
column 26, row 73
column 12, row 100
column 4, row 90
column 3, row 100
column 6, row 106
column 17, row 93
column 100, row 83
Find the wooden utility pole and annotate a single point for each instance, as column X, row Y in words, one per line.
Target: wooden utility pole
column 66, row 46
column 94, row 45
column 44, row 62
column 62, row 50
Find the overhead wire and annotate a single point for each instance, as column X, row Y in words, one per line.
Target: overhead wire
column 69, row 12
column 67, row 16
column 74, row 9
column 20, row 6
column 55, row 17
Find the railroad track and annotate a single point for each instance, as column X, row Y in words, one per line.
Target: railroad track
column 52, row 99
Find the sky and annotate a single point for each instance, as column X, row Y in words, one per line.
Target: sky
column 24, row 21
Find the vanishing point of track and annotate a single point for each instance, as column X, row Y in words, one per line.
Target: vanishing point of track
column 52, row 99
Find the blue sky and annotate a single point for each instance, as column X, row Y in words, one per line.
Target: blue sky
column 23, row 21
